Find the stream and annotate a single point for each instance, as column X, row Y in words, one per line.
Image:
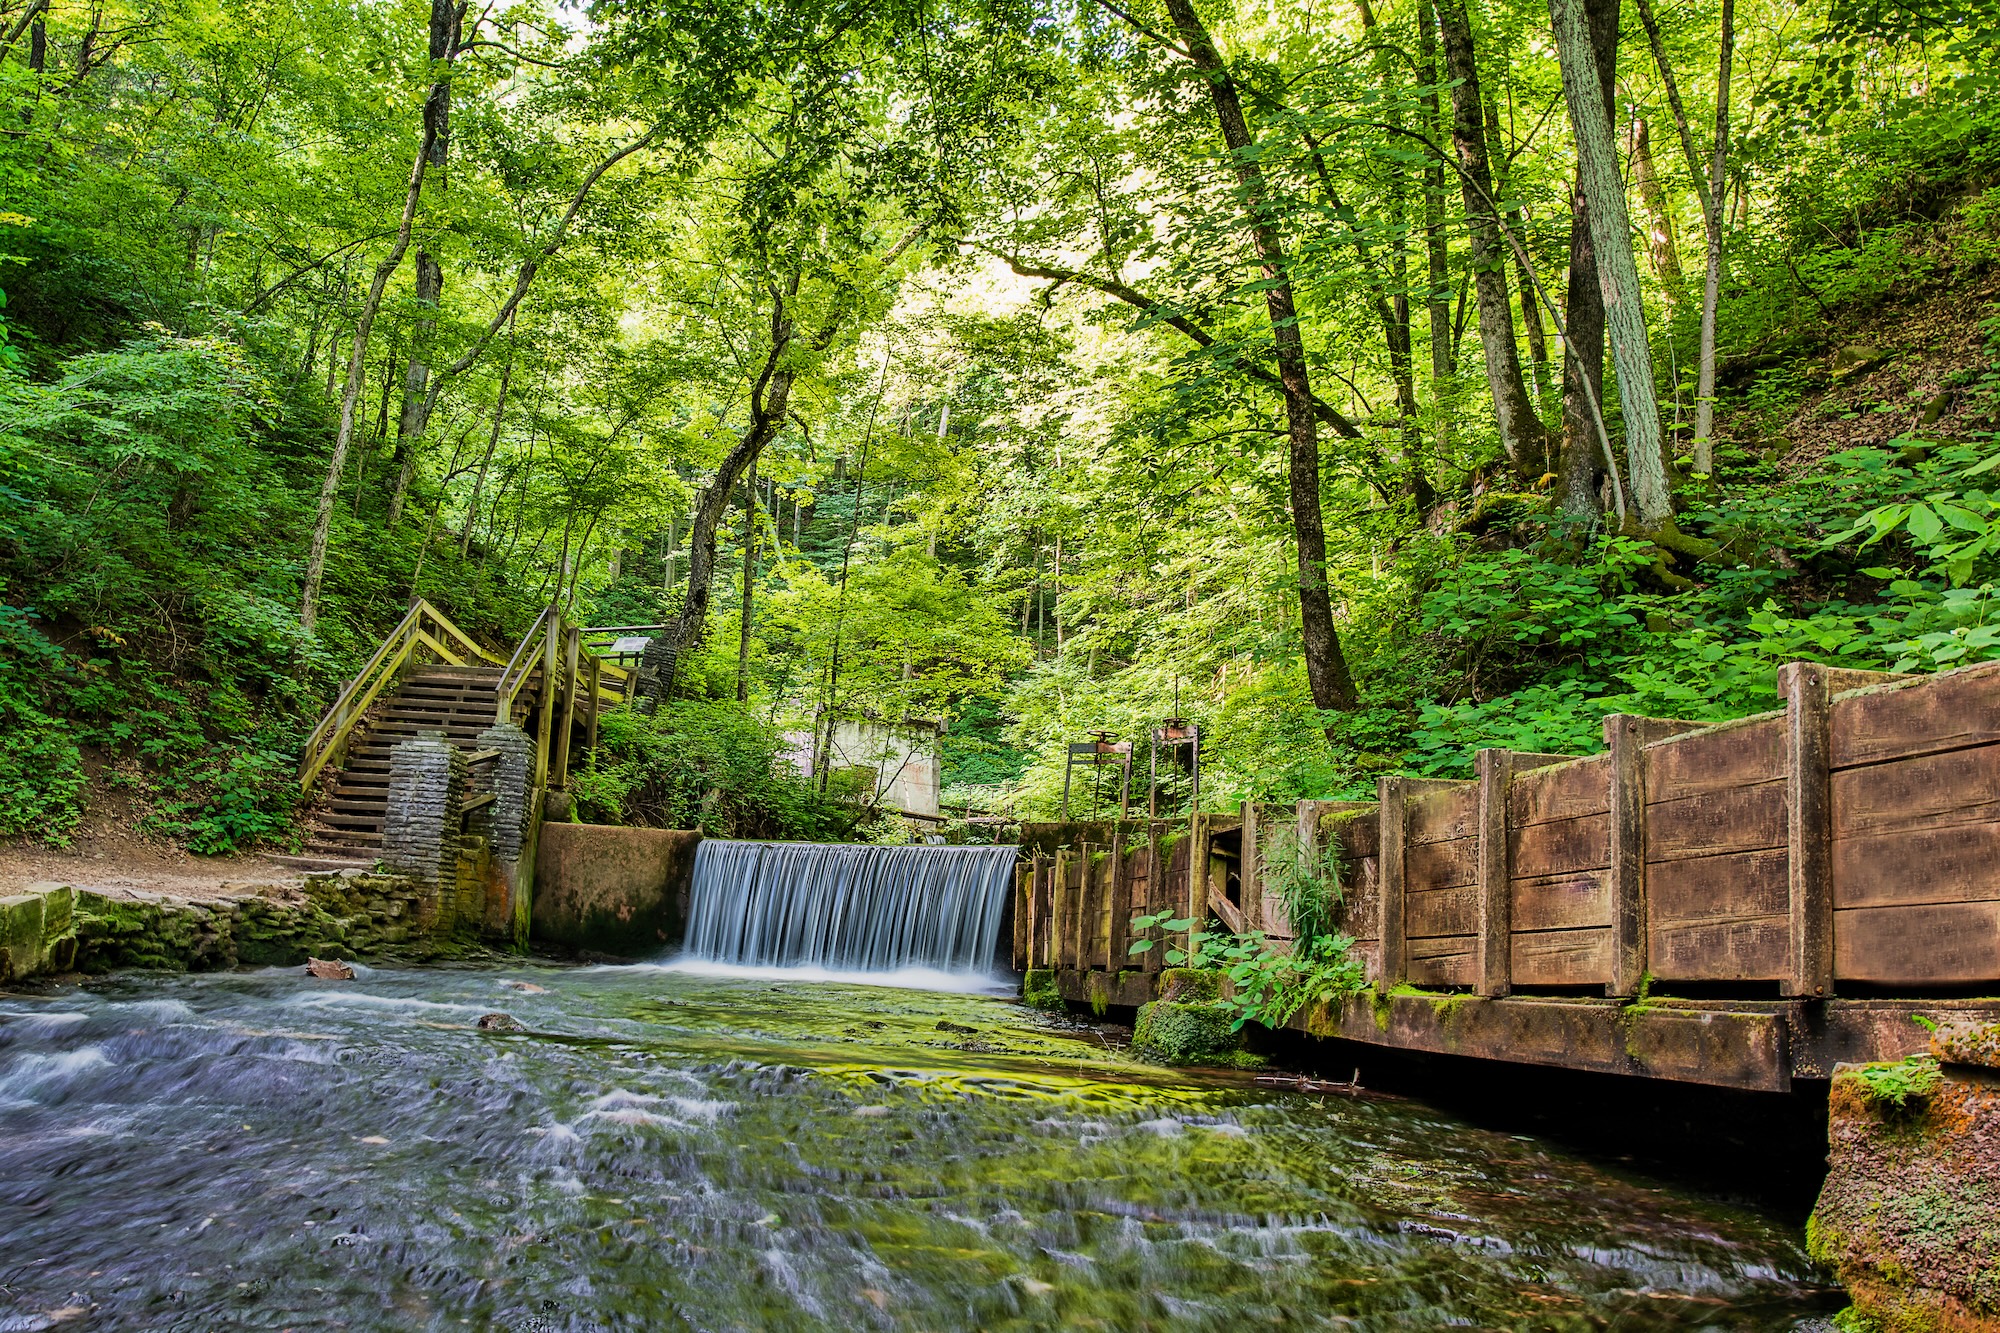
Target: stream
column 651, row 1148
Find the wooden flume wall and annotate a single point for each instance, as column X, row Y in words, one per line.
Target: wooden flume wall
column 1851, row 836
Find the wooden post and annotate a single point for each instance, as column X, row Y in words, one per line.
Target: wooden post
column 1809, row 811
column 1024, row 893
column 1197, row 880
column 1393, row 795
column 1249, row 869
column 1118, row 907
column 1090, row 901
column 1493, row 940
column 572, row 643
column 1058, row 906
column 1624, row 738
column 547, row 724
column 596, row 673
column 1077, row 948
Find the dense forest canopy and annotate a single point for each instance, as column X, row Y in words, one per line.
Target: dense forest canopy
column 1365, row 382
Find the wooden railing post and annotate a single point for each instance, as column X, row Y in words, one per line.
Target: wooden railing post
column 1493, row 941
column 549, row 685
column 566, row 722
column 1624, row 736
column 1393, row 794
column 1809, row 819
column 1118, row 907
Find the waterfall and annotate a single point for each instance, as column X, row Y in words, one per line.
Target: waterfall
column 848, row 907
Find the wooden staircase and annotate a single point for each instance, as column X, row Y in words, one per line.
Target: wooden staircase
column 430, row 676
column 457, row 701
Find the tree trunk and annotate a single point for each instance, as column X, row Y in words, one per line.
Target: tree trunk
column 415, row 415
column 492, row 443
column 1581, row 472
column 1327, row 672
column 749, row 581
column 1521, row 432
column 351, row 394
column 1438, row 298
column 1611, row 238
column 1659, row 219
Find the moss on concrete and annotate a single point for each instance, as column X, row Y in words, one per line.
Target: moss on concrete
column 1190, row 985
column 55, row 928
column 1038, row 988
column 1174, row 1033
column 1909, row 1218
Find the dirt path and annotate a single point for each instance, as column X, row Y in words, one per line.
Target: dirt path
column 110, row 859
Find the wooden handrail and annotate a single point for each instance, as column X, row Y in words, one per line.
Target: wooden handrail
column 333, row 730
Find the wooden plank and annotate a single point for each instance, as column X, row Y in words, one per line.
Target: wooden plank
column 1948, row 711
column 1059, row 906
column 1493, row 965
column 1361, row 889
column 1228, row 913
column 1560, row 791
column 1956, row 786
column 1562, row 902
column 1353, row 826
column 1716, row 759
column 1945, row 944
column 1742, row 819
column 1809, row 827
column 1957, row 863
column 1562, row 846
column 1562, row 957
column 1745, row 949
column 1441, row 962
column 1441, row 811
column 1392, row 795
column 1719, row 888
column 1440, row 865
column 1433, row 912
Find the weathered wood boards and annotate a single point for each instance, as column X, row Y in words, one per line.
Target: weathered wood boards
column 1852, row 836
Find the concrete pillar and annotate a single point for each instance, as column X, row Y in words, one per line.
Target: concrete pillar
column 420, row 825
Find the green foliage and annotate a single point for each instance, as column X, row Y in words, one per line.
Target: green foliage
column 1892, row 1087
column 1268, row 981
column 41, row 769
column 703, row 764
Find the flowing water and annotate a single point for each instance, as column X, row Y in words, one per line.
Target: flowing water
column 659, row 1150
column 847, row 907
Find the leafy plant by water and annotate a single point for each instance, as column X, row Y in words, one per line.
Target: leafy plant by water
column 1269, row 980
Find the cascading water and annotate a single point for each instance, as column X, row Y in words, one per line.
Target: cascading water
column 848, row 907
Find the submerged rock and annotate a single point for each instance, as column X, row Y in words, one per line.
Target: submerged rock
column 329, row 969
column 499, row 1023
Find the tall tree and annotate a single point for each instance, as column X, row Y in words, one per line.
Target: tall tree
column 1611, row 236
column 1522, row 435
column 1327, row 672
column 1581, row 480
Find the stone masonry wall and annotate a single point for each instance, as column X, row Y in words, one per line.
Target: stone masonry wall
column 420, row 824
column 353, row 914
column 1909, row 1218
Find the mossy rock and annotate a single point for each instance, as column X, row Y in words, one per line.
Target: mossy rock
column 1173, row 1033
column 1190, row 985
column 1038, row 988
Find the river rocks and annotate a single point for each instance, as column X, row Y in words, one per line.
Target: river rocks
column 1909, row 1218
column 499, row 1023
column 37, row 931
column 329, row 969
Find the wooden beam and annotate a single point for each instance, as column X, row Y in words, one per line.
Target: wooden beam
column 1393, row 795
column 1059, row 897
column 1809, row 819
column 1626, row 736
column 1493, row 938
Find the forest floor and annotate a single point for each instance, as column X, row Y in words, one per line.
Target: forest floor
column 110, row 850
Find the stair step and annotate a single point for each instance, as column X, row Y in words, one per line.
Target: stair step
column 370, row 823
